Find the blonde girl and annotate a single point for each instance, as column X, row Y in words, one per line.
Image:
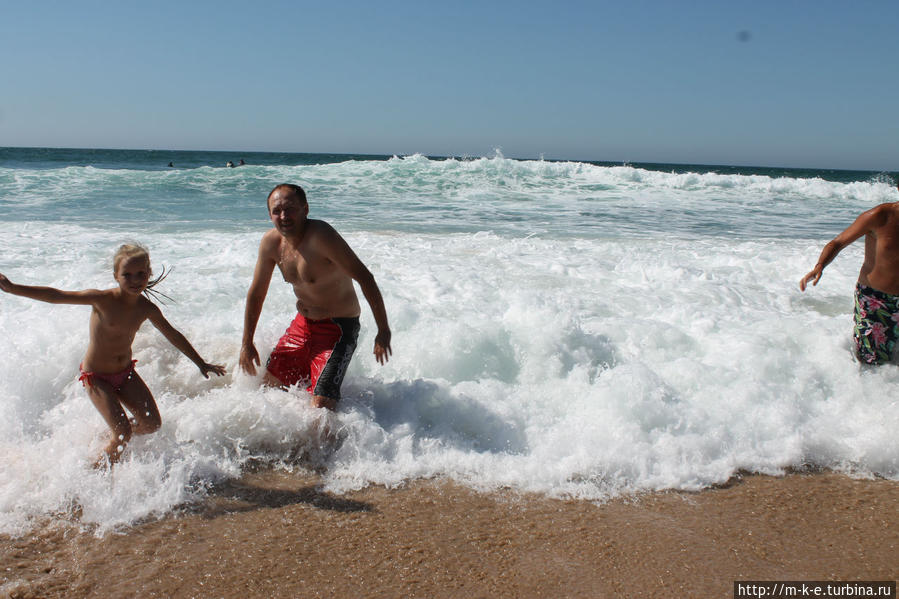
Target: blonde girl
column 107, row 370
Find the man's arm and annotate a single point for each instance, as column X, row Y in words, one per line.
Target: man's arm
column 262, row 277
column 864, row 224
column 339, row 251
column 375, row 301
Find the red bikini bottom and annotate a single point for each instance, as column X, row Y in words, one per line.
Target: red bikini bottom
column 115, row 379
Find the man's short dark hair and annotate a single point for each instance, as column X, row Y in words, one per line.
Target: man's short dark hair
column 289, row 187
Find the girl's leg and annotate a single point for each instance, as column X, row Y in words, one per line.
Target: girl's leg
column 135, row 396
column 107, row 403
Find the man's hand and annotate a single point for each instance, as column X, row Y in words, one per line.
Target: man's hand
column 5, row 284
column 249, row 359
column 814, row 276
column 382, row 347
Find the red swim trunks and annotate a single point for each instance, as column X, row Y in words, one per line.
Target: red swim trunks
column 115, row 379
column 317, row 351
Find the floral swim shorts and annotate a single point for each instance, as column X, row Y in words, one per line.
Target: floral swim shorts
column 876, row 324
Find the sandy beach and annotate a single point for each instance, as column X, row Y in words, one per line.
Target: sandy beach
column 275, row 534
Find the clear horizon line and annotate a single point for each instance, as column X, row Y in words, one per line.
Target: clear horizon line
column 464, row 157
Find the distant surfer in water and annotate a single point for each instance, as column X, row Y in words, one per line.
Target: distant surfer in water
column 876, row 328
column 321, row 267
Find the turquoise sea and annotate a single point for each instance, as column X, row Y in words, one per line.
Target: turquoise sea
column 578, row 329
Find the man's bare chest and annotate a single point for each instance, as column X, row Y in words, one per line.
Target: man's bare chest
column 303, row 266
column 886, row 240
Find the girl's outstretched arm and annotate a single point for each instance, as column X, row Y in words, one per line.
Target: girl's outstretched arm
column 180, row 341
column 50, row 294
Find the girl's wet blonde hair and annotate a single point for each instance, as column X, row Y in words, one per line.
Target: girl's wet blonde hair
column 129, row 250
column 135, row 250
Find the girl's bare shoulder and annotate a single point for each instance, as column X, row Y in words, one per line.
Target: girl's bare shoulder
column 108, row 299
column 95, row 296
column 147, row 306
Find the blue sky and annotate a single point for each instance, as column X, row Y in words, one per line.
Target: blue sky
column 779, row 83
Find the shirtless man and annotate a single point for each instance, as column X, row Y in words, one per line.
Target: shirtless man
column 877, row 292
column 316, row 260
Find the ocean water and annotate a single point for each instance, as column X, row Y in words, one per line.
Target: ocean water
column 574, row 329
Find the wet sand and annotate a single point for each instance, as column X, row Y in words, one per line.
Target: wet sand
column 278, row 535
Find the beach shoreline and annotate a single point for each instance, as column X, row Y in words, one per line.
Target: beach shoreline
column 276, row 534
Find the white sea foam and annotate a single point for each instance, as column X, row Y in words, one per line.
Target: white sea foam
column 572, row 364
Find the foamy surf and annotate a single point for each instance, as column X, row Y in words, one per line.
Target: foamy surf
column 562, row 328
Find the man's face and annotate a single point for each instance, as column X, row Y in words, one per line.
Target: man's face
column 287, row 211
